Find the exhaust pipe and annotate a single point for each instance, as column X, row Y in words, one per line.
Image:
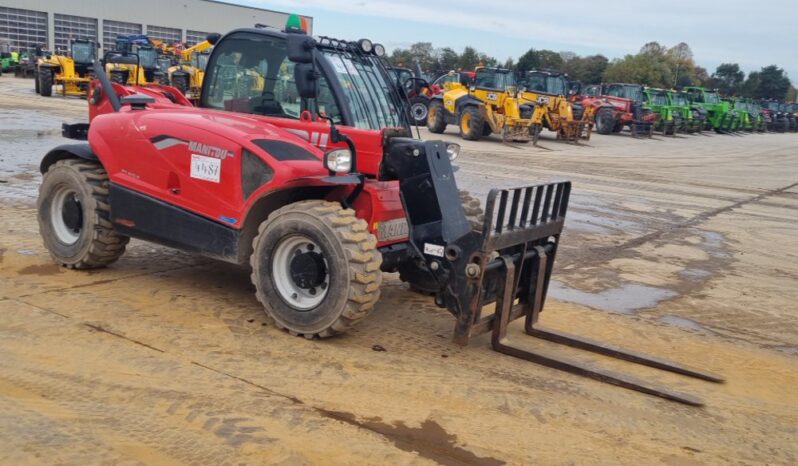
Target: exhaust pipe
column 107, row 87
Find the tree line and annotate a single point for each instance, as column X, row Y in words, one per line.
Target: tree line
column 654, row 65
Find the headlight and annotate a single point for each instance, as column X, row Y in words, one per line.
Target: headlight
column 365, row 45
column 453, row 150
column 379, row 50
column 338, row 160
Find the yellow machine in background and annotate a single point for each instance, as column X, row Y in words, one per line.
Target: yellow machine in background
column 548, row 92
column 71, row 73
column 133, row 61
column 489, row 105
column 189, row 73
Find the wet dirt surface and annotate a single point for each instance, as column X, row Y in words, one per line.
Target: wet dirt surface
column 682, row 247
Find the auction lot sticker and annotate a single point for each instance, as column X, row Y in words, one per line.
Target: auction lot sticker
column 205, row 168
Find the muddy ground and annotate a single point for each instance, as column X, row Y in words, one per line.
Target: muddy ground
column 685, row 247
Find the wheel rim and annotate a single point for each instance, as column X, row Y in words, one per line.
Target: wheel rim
column 432, row 112
column 66, row 215
column 419, row 111
column 300, row 272
column 465, row 123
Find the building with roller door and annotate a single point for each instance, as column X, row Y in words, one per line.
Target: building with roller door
column 28, row 23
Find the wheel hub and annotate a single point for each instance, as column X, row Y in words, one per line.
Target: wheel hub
column 308, row 269
column 419, row 111
column 300, row 272
column 72, row 213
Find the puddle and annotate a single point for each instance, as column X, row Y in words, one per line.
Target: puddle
column 626, row 299
column 429, row 440
column 682, row 322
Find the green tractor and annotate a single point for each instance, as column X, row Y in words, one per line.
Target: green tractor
column 720, row 115
column 750, row 115
column 7, row 58
column 693, row 119
column 669, row 121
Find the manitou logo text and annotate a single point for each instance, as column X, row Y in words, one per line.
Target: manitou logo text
column 210, row 151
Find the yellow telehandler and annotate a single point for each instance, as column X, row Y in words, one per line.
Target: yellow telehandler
column 490, row 104
column 548, row 91
column 188, row 74
column 70, row 73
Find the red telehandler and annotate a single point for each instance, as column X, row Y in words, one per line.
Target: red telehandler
column 299, row 161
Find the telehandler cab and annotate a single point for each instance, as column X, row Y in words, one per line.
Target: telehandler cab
column 489, row 105
column 319, row 190
column 548, row 92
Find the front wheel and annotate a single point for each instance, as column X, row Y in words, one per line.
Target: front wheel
column 471, row 123
column 316, row 268
column 605, row 121
column 45, row 78
column 436, row 118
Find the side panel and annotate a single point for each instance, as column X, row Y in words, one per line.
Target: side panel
column 145, row 217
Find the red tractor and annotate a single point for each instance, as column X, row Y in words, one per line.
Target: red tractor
column 616, row 106
column 299, row 163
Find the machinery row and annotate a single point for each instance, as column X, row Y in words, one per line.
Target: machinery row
column 519, row 105
column 135, row 59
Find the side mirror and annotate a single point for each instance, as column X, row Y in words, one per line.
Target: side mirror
column 307, row 84
column 213, row 38
column 299, row 47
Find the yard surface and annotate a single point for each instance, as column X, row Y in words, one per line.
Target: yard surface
column 683, row 247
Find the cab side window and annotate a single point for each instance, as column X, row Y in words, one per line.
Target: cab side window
column 250, row 73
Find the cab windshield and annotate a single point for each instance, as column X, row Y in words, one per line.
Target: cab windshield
column 626, row 91
column 679, row 99
column 372, row 98
column 148, row 57
column 741, row 105
column 82, row 52
column 711, row 98
column 546, row 83
column 494, row 79
column 659, row 98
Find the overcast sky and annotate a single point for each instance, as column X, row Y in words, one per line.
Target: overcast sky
column 751, row 33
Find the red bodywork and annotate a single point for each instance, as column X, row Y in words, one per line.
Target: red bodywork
column 123, row 141
column 622, row 107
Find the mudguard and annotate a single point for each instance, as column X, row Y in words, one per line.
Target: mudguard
column 67, row 151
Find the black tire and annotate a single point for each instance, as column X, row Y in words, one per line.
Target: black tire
column 605, row 121
column 436, row 116
column 419, row 109
column 78, row 189
column 618, row 127
column 471, row 123
column 476, row 217
column 486, row 130
column 36, row 81
column 45, row 81
column 350, row 268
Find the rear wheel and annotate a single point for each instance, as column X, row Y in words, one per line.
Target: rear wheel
column 436, row 121
column 74, row 216
column 418, row 110
column 35, row 81
column 45, row 79
column 316, row 268
column 471, row 123
column 605, row 121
